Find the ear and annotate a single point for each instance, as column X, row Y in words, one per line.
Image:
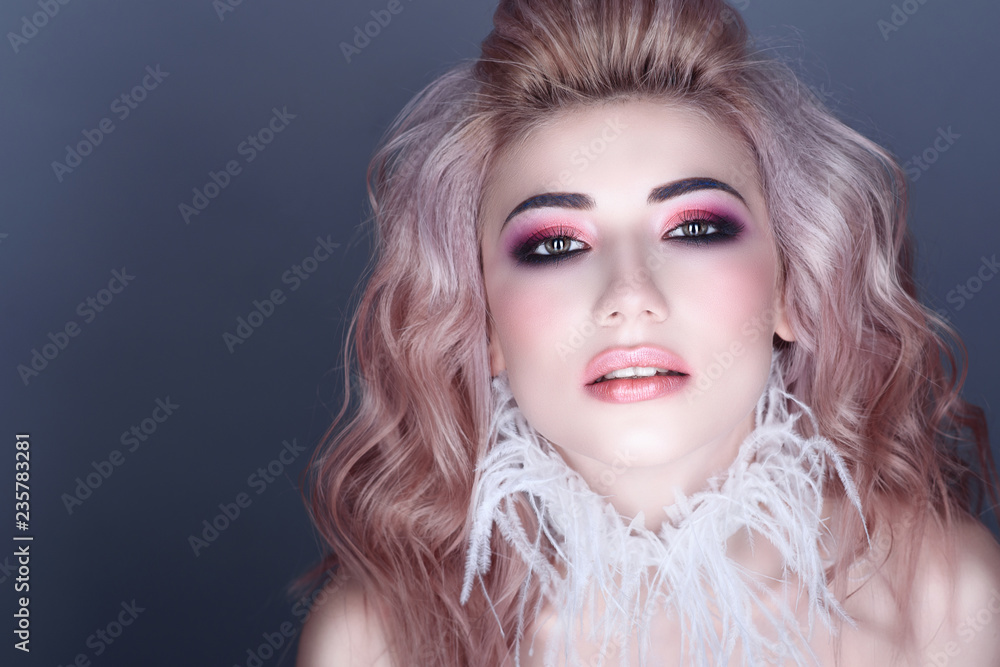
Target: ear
column 781, row 325
column 497, row 363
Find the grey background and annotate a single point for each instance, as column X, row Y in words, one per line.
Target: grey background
column 162, row 336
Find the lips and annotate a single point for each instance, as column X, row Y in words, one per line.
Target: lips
column 644, row 356
column 671, row 376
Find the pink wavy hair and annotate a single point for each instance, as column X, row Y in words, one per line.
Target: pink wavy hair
column 390, row 489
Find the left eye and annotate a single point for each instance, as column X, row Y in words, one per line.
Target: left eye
column 704, row 227
column 693, row 228
column 558, row 245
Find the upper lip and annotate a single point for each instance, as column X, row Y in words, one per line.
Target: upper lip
column 616, row 358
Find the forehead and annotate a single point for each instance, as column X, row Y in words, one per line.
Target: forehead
column 618, row 151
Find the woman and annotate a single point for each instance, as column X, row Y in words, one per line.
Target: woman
column 642, row 375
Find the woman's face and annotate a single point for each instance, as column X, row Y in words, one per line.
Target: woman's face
column 632, row 235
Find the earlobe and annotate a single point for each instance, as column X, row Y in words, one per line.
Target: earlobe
column 781, row 325
column 497, row 363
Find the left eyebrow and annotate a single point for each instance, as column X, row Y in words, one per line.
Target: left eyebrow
column 583, row 202
column 678, row 188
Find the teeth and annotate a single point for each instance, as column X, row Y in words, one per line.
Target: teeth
column 637, row 372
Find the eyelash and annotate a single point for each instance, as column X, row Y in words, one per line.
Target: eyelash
column 525, row 252
column 725, row 230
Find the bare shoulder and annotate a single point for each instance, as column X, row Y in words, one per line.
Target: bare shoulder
column 958, row 601
column 343, row 629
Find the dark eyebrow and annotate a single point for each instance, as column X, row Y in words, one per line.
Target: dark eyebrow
column 678, row 188
column 584, row 203
column 553, row 199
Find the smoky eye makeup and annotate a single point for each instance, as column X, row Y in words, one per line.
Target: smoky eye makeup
column 547, row 245
column 698, row 226
column 706, row 220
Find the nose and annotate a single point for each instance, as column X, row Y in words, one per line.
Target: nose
column 631, row 293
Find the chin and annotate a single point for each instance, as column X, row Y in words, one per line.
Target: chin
column 637, row 447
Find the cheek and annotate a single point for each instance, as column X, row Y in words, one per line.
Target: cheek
column 731, row 325
column 538, row 317
column 522, row 312
column 734, row 295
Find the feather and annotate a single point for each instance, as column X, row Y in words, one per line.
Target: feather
column 772, row 489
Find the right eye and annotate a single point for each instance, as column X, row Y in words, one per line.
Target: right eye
column 549, row 246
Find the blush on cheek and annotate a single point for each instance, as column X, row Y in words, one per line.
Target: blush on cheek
column 734, row 292
column 533, row 318
column 518, row 316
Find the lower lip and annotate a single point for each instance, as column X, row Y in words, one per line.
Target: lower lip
column 631, row 390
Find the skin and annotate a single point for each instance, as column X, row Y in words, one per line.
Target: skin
column 634, row 283
column 956, row 612
column 547, row 322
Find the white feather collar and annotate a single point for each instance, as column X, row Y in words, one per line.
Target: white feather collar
column 773, row 487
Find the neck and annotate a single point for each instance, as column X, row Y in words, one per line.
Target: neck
column 763, row 515
column 631, row 487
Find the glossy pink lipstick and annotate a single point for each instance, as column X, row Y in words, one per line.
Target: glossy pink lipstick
column 671, row 374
